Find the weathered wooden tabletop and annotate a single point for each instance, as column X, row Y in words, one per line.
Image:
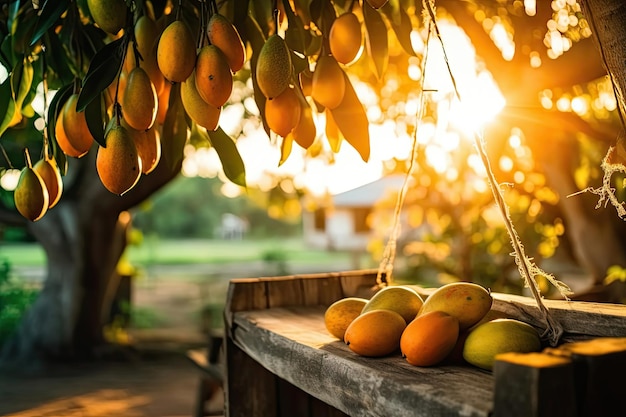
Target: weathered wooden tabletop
column 293, row 344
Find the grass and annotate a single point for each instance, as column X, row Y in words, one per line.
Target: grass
column 180, row 252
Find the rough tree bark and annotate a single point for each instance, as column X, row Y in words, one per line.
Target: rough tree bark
column 83, row 238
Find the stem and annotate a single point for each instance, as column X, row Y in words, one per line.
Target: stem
column 29, row 164
column 6, row 156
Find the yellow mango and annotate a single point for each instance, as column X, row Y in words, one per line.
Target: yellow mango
column 341, row 313
column 499, row 336
column 403, row 300
column 466, row 301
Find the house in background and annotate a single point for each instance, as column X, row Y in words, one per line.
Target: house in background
column 342, row 224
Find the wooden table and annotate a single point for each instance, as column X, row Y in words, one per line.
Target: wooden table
column 281, row 361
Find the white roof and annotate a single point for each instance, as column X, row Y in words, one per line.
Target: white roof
column 367, row 195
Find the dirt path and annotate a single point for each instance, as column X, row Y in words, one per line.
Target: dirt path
column 150, row 384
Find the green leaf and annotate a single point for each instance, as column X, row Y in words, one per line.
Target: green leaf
column 21, row 81
column 401, row 24
column 7, row 105
column 229, row 156
column 14, row 8
column 103, row 69
column 351, row 120
column 174, row 135
column 6, row 50
column 93, row 115
column 376, row 39
column 57, row 58
column 295, row 34
column 50, row 13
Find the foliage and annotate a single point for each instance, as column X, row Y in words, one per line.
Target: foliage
column 15, row 298
column 193, row 208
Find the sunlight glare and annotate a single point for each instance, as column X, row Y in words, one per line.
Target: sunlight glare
column 4, row 74
column 437, row 158
column 9, row 179
column 230, row 190
column 506, row 163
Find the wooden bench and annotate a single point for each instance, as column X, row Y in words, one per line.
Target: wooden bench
column 281, row 361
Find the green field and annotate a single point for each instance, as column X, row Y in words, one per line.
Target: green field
column 177, row 252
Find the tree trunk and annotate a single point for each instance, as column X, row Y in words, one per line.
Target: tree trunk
column 83, row 237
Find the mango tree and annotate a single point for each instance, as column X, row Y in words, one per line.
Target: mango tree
column 110, row 92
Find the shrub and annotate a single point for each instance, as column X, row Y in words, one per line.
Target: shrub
column 15, row 298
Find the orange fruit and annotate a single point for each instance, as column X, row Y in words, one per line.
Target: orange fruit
column 466, row 301
column 429, row 338
column 118, row 164
column 341, row 313
column 328, row 85
column 75, row 128
column 139, row 103
column 345, row 38
column 224, row 35
column 200, row 111
column 49, row 172
column 305, row 131
column 375, row 333
column 282, row 113
column 148, row 146
column 176, row 52
column 214, row 80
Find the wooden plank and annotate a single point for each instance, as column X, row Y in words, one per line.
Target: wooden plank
column 533, row 385
column 293, row 344
column 321, row 409
column 250, row 390
column 599, row 368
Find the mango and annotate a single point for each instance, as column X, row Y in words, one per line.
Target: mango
column 375, row 333
column 403, row 300
column 273, row 67
column 429, row 339
column 499, row 336
column 341, row 313
column 31, row 195
column 466, row 301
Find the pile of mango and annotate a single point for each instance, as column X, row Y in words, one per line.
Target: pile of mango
column 454, row 324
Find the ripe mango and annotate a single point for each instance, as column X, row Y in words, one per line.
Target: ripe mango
column 375, row 333
column 176, row 52
column 499, row 336
column 328, row 85
column 466, row 301
column 224, row 35
column 341, row 313
column 48, row 170
column 118, row 164
column 403, row 300
column 282, row 113
column 214, row 81
column 31, row 195
column 429, row 339
column 345, row 38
